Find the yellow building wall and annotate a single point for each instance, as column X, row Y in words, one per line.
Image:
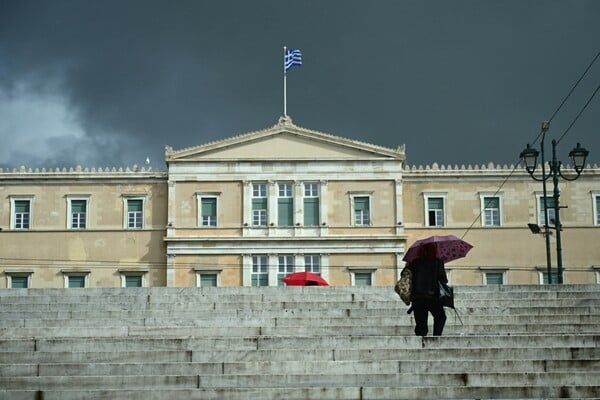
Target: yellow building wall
column 104, row 248
column 230, row 208
column 228, row 266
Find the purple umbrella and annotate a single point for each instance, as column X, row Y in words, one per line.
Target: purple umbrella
column 447, row 248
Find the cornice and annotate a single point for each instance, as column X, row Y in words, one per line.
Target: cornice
column 284, row 125
column 491, row 169
column 83, row 173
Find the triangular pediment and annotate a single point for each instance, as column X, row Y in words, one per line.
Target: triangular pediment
column 284, row 141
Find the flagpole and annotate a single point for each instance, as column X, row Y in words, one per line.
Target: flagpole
column 284, row 85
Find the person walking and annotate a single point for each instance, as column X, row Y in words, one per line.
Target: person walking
column 427, row 270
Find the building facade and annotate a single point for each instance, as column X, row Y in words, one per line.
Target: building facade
column 247, row 210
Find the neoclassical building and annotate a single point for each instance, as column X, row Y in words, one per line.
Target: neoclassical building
column 247, row 210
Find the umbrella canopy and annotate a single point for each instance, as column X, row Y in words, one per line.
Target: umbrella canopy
column 447, row 248
column 304, row 279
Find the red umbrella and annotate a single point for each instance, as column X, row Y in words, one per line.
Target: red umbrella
column 304, row 279
column 447, row 248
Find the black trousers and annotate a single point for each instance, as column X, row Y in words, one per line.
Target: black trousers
column 422, row 308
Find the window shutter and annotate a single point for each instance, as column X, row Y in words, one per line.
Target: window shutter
column 134, row 205
column 435, row 203
column 311, row 211
column 78, row 206
column 285, row 215
column 259, row 204
column 209, row 207
column 361, row 203
column 21, row 206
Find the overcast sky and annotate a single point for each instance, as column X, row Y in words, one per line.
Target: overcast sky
column 109, row 83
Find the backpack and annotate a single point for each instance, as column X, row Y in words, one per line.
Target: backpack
column 404, row 286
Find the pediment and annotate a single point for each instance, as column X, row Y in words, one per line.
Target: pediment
column 284, row 141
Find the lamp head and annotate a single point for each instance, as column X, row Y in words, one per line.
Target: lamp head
column 578, row 155
column 529, row 156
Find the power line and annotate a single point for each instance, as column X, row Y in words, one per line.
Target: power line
column 495, row 194
column 574, row 86
column 550, row 120
column 569, row 95
column 579, row 114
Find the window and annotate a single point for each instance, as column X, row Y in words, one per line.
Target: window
column 363, row 279
column 285, row 267
column 285, row 205
column 208, row 211
column 208, row 280
column 260, row 271
column 311, row 204
column 77, row 211
column 362, row 276
column 551, row 211
column 361, row 210
column 259, row 204
column 544, row 278
column 18, row 280
column 494, row 278
column 596, row 207
column 135, row 213
column 312, row 263
column 434, row 210
column 133, row 278
column 133, row 281
column 76, row 280
column 490, row 210
column 21, row 212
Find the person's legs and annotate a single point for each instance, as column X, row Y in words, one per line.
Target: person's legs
column 421, row 313
column 439, row 318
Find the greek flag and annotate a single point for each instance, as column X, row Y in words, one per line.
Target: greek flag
column 292, row 57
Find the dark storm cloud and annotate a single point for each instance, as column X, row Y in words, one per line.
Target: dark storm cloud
column 112, row 82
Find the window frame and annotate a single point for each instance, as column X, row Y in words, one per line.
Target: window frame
column 483, row 202
column 208, row 195
column 543, row 272
column 259, row 270
column 286, row 267
column 435, row 195
column 124, row 273
column 13, row 213
column 260, row 216
column 13, row 274
column 69, row 273
column 311, row 192
column 493, row 270
column 126, row 199
column 353, row 197
column 362, row 270
column 540, row 214
column 310, row 265
column 288, row 196
column 200, row 272
column 596, row 207
column 78, row 197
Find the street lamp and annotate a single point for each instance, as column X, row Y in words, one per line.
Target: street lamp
column 578, row 156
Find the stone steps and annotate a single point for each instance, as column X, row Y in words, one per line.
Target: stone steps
column 175, row 320
column 304, row 367
column 551, row 392
column 288, row 331
column 353, row 343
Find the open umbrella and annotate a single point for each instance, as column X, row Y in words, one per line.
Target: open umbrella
column 447, row 248
column 304, row 279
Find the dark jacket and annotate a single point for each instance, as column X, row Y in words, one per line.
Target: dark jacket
column 425, row 276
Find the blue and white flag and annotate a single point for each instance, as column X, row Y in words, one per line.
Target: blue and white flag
column 292, row 57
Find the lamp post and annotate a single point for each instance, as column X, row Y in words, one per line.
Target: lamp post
column 578, row 156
